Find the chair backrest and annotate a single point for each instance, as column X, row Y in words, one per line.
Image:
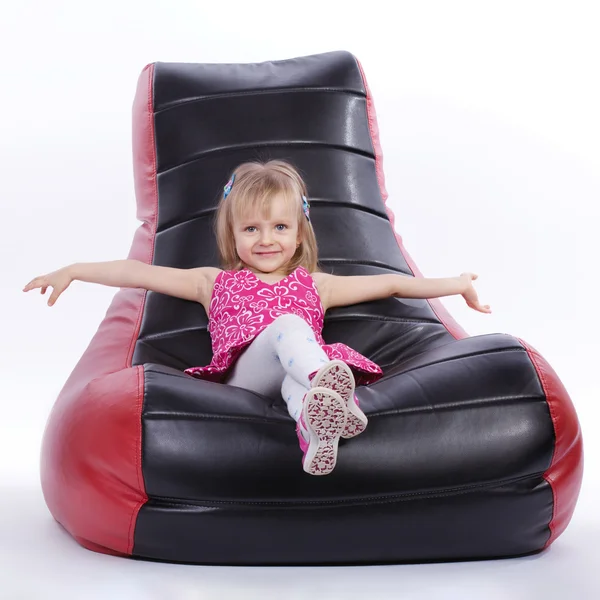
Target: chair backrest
column 194, row 123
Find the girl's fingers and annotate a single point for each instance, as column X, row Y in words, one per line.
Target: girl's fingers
column 32, row 284
column 37, row 283
column 56, row 292
column 480, row 307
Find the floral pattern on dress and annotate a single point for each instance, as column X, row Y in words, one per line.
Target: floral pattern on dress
column 242, row 306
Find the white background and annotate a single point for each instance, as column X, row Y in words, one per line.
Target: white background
column 489, row 120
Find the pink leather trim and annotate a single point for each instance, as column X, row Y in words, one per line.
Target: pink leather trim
column 438, row 308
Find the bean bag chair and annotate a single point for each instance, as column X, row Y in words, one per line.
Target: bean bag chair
column 473, row 449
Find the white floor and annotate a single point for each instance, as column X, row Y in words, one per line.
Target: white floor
column 38, row 559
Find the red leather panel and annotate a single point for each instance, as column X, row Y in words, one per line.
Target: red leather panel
column 566, row 469
column 91, row 452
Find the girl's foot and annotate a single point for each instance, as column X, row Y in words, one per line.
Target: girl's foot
column 319, row 427
column 336, row 375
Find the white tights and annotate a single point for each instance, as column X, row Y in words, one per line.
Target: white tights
column 280, row 359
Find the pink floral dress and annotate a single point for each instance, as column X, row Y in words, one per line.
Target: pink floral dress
column 242, row 306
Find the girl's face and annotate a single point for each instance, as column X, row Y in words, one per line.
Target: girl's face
column 267, row 245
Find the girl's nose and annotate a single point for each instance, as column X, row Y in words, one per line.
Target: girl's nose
column 266, row 237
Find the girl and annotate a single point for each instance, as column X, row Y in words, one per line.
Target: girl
column 266, row 306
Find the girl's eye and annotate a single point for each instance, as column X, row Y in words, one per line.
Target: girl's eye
column 252, row 228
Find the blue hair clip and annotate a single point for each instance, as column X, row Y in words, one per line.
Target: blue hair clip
column 305, row 207
column 228, row 187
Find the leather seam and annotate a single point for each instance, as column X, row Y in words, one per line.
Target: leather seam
column 547, row 475
column 360, row 501
column 256, row 145
column 167, row 106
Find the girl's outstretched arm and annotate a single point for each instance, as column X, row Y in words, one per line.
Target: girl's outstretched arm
column 189, row 284
column 347, row 290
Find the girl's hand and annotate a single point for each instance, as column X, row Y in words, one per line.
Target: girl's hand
column 470, row 295
column 58, row 280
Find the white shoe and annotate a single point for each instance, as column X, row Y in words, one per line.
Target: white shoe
column 336, row 375
column 319, row 428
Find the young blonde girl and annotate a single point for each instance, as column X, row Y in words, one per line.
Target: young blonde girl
column 266, row 306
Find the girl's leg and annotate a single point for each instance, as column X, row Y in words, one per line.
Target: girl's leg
column 298, row 350
column 321, row 413
column 303, row 359
column 293, row 393
column 288, row 346
column 258, row 368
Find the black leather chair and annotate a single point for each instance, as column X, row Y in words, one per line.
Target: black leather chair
column 473, row 448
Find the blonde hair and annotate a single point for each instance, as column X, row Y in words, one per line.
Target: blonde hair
column 255, row 186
